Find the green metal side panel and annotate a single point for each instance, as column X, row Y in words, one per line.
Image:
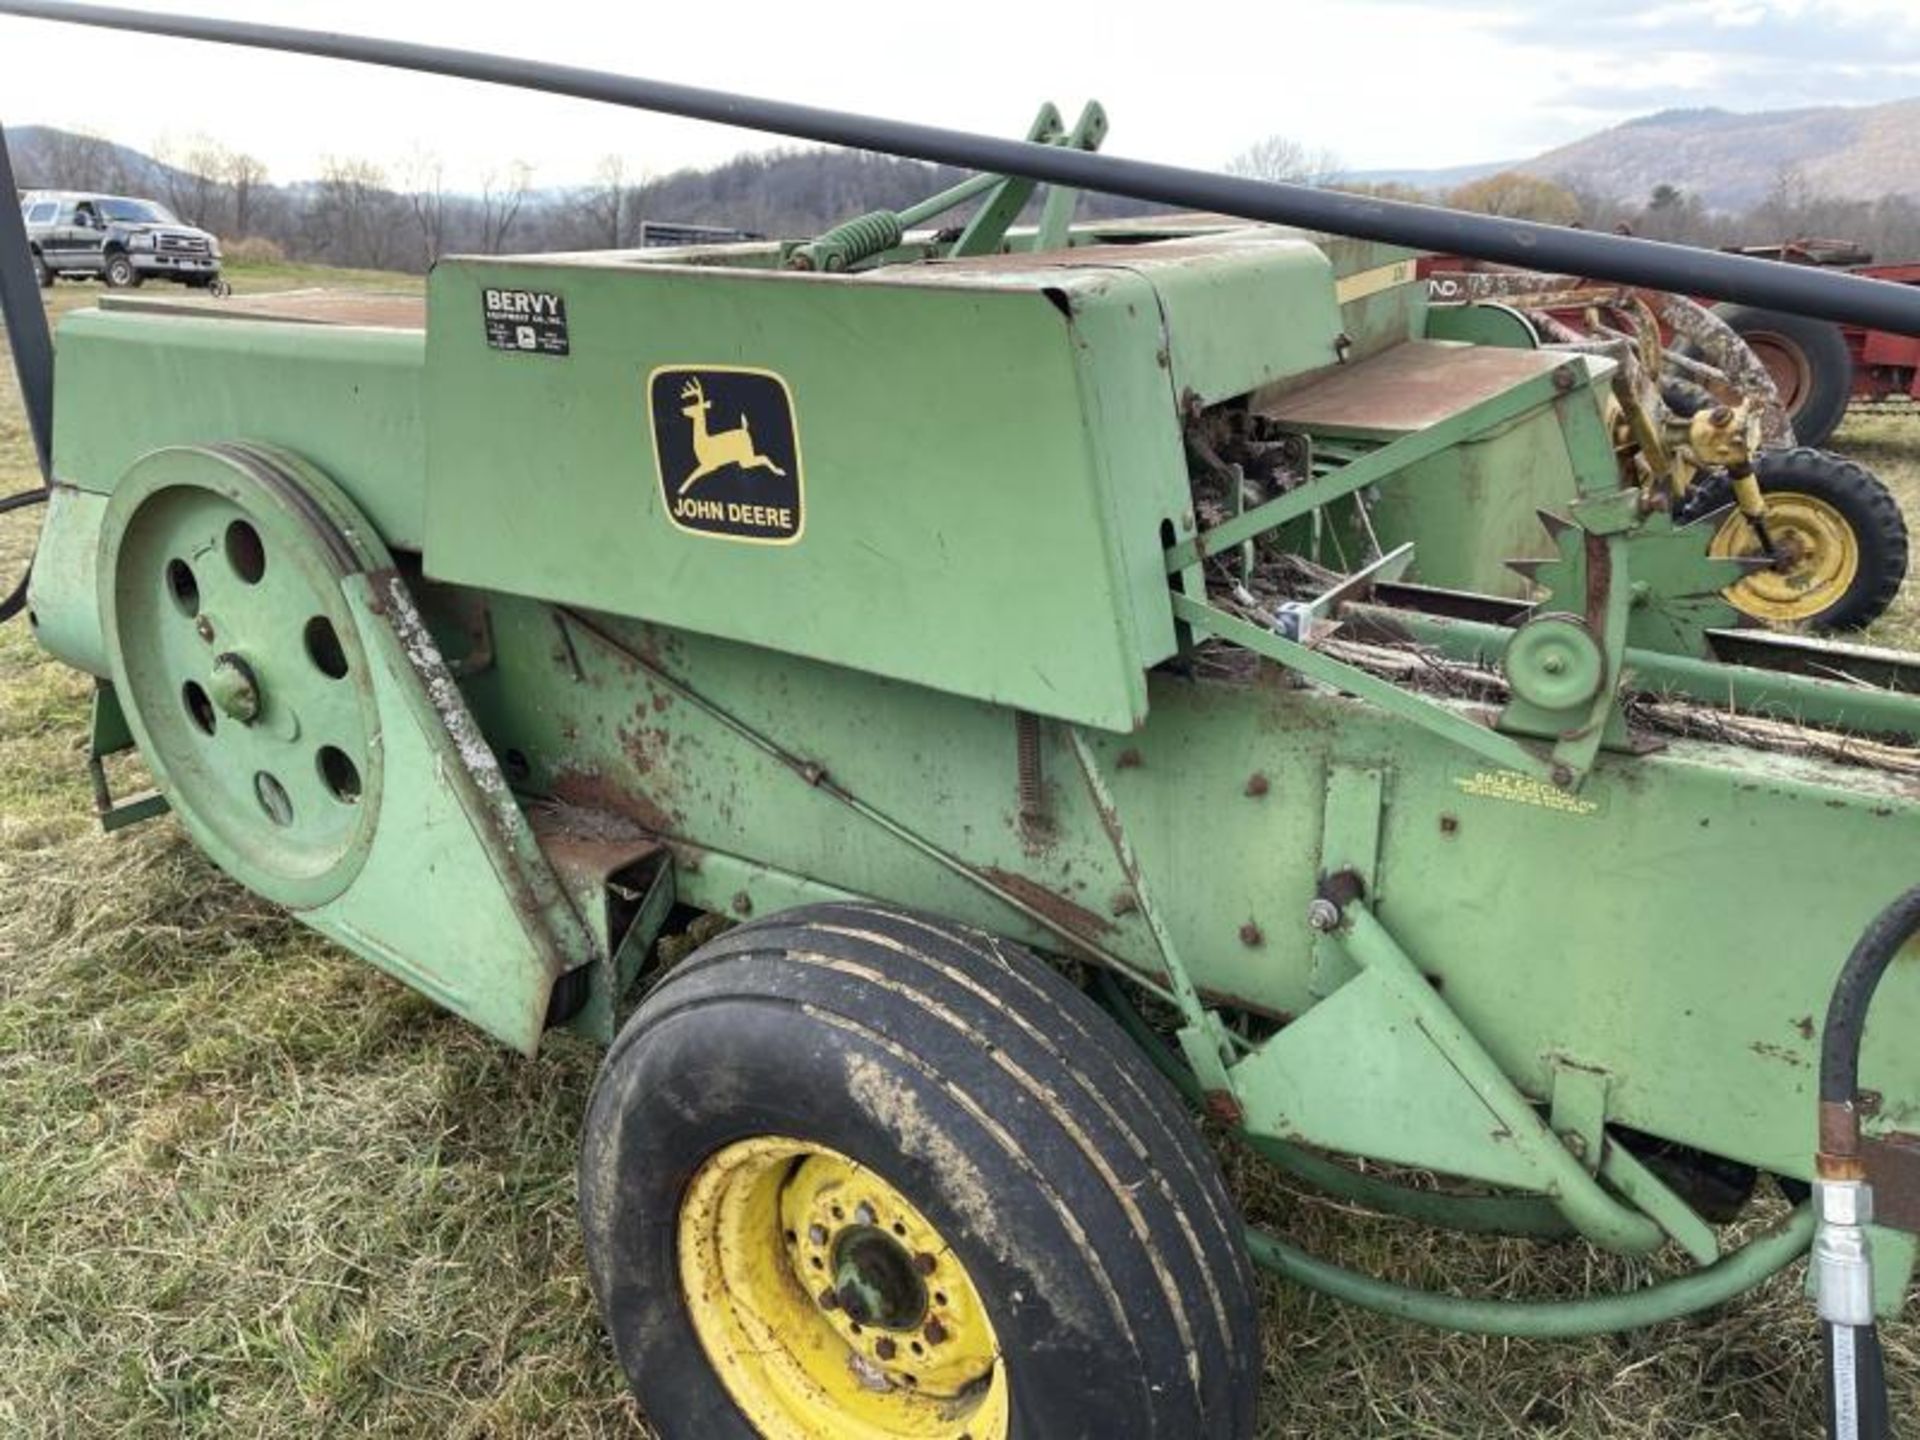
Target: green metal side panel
column 1616, row 929
column 63, row 598
column 346, row 398
column 980, row 514
column 1476, row 506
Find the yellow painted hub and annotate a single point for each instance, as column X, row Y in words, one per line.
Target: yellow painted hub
column 1820, row 558
column 829, row 1306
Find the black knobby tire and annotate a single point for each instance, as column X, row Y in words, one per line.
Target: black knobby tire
column 1809, row 356
column 1057, row 1164
column 43, row 270
column 120, row 273
column 1865, row 505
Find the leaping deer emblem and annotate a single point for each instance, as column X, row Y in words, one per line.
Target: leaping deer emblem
column 717, row 449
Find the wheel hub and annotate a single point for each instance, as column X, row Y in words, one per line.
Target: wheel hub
column 1816, row 558
column 829, row 1305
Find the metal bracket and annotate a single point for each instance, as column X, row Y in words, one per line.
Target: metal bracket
column 1304, row 621
column 110, row 736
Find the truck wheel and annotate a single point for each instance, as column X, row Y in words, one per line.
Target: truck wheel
column 1841, row 535
column 43, row 270
column 851, row 1172
column 1810, row 364
column 120, row 272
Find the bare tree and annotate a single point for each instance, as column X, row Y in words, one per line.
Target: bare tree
column 604, row 203
column 76, row 160
column 244, row 175
column 426, row 191
column 1518, row 197
column 502, row 195
column 354, row 215
column 1280, row 157
column 192, row 179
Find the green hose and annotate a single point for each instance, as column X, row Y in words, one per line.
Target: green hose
column 1548, row 1319
column 1727, row 1277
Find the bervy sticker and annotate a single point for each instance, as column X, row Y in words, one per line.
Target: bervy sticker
column 527, row 322
column 727, row 449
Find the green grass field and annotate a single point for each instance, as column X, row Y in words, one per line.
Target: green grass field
column 250, row 1187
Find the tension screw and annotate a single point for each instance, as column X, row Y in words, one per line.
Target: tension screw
column 1323, row 915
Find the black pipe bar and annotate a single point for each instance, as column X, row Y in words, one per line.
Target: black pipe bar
column 24, row 311
column 1801, row 289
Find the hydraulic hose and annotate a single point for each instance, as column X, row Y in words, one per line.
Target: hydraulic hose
column 1759, row 1260
column 1857, row 1407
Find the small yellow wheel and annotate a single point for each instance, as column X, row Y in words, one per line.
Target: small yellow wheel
column 850, row 1174
column 1839, row 540
column 828, row 1303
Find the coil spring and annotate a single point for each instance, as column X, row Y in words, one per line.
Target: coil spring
column 858, row 239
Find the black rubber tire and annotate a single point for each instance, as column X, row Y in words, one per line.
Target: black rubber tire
column 1110, row 1259
column 1863, row 500
column 120, row 273
column 43, row 270
column 1822, row 351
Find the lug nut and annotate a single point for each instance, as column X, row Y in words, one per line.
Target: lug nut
column 1323, row 915
column 884, row 1348
column 829, row 1300
column 924, row 1263
column 935, row 1332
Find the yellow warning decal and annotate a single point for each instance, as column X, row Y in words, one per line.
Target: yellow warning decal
column 1372, row 282
column 1519, row 789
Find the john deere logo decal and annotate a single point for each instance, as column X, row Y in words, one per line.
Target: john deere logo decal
column 728, row 452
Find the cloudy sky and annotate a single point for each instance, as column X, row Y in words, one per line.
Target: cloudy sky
column 1378, row 83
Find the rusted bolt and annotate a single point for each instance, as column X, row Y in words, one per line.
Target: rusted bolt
column 924, row 1263
column 1449, row 824
column 935, row 1332
column 1720, row 417
column 1563, row 379
column 829, row 1300
column 1128, row 759
column 1220, row 1105
column 1250, row 934
column 885, row 1348
column 1323, row 915
column 742, row 903
column 1123, row 903
column 1257, row 785
column 1562, row 776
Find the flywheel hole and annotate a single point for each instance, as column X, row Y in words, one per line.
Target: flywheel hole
column 183, row 587
column 199, row 706
column 273, row 798
column 339, row 774
column 324, row 649
column 246, row 553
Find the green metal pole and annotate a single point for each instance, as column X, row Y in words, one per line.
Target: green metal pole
column 1547, row 1319
column 1864, row 708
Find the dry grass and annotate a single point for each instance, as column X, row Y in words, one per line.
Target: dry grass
column 250, row 1187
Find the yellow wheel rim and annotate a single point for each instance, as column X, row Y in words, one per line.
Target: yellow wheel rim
column 829, row 1306
column 1820, row 556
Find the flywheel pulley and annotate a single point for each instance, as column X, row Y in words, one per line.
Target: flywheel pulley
column 239, row 664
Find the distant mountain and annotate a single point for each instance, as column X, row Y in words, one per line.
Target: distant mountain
column 1729, row 159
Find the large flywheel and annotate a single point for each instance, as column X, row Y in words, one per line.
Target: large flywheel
column 239, row 664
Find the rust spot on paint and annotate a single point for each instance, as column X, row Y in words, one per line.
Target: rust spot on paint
column 1128, row 759
column 1063, row 912
column 1221, row 1106
column 1258, row 785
